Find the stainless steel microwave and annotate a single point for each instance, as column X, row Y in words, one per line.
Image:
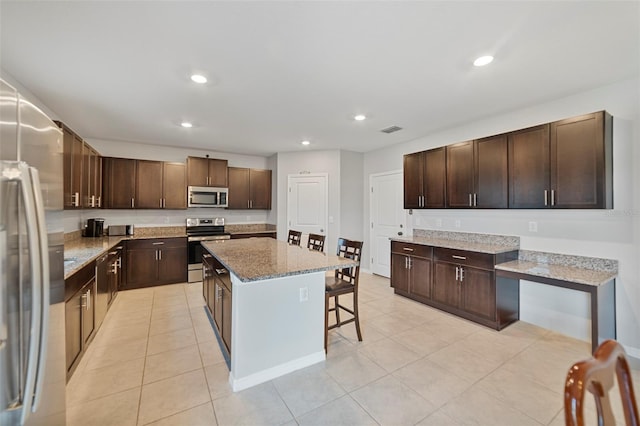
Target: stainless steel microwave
column 205, row 196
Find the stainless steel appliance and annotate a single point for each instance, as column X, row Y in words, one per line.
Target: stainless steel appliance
column 120, row 230
column 94, row 228
column 199, row 230
column 32, row 314
column 204, row 196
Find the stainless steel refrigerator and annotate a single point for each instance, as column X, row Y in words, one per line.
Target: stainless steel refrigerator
column 32, row 333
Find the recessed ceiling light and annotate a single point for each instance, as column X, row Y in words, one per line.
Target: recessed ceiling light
column 482, row 61
column 360, row 117
column 305, row 143
column 186, row 124
column 197, row 78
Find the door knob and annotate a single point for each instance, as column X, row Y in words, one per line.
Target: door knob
column 400, row 233
column 321, row 230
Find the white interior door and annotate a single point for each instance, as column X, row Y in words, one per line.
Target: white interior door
column 388, row 218
column 307, row 204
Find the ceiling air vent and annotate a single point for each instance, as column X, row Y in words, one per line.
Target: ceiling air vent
column 391, row 129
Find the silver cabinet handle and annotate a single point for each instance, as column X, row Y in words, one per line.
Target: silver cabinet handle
column 545, row 198
column 164, row 203
column 459, row 257
column 407, row 249
column 160, row 254
column 406, row 262
column 206, row 256
column 99, row 201
column 160, row 200
column 159, row 243
column 475, row 200
column 419, row 200
column 156, row 254
column 410, row 262
column 248, row 204
column 75, row 199
column 461, row 274
column 470, row 201
column 457, row 273
column 553, row 197
column 133, row 204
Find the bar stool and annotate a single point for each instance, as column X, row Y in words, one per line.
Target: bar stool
column 316, row 242
column 344, row 281
column 294, row 237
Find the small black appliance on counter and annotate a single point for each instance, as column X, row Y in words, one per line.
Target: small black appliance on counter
column 94, row 228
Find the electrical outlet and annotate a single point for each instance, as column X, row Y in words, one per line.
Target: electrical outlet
column 533, row 226
column 457, row 223
column 304, row 294
column 439, row 222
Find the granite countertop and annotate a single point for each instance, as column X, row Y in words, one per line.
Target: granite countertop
column 252, row 228
column 255, row 259
column 81, row 251
column 490, row 248
column 577, row 269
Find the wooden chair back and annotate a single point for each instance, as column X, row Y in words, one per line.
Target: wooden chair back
column 294, row 237
column 597, row 375
column 350, row 250
column 316, row 242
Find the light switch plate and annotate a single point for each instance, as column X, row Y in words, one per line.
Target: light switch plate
column 304, row 294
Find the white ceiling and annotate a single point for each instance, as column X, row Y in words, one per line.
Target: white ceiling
column 282, row 71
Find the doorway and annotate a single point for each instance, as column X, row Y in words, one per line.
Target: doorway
column 388, row 218
column 307, row 204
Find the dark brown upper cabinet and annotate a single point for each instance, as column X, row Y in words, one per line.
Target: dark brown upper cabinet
column 565, row 164
column 529, row 168
column 477, row 173
column 249, row 188
column 207, row 172
column 581, row 162
column 144, row 184
column 424, row 179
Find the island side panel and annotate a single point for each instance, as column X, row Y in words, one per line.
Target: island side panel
column 273, row 332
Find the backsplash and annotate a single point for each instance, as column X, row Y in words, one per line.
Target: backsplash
column 502, row 240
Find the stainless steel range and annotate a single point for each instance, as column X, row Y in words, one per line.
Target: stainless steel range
column 199, row 230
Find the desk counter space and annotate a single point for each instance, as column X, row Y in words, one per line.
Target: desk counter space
column 256, row 259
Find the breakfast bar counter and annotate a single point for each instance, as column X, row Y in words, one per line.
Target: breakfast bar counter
column 275, row 294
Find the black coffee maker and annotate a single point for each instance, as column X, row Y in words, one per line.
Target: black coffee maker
column 94, row 228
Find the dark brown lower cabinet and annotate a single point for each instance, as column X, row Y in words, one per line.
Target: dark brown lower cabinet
column 155, row 261
column 457, row 281
column 411, row 270
column 216, row 289
column 80, row 319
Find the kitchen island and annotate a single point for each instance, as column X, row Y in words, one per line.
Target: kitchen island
column 276, row 302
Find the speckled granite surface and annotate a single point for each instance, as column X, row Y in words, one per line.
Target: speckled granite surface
column 250, row 228
column 578, row 269
column 255, row 259
column 80, row 251
column 482, row 243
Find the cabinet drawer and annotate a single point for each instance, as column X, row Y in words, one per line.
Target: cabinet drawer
column 462, row 257
column 411, row 249
column 157, row 243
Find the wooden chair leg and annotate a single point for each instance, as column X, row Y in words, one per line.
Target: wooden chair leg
column 326, row 322
column 335, row 303
column 356, row 316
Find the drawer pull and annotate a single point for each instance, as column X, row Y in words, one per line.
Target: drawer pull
column 459, row 257
column 158, row 244
column 407, row 249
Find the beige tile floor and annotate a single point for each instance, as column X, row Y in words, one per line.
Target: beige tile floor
column 156, row 361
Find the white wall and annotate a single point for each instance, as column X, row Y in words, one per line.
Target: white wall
column 351, row 194
column 613, row 234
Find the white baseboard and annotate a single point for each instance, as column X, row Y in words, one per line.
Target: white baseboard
column 273, row 372
column 633, row 355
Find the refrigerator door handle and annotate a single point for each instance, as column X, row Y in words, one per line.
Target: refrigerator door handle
column 44, row 281
column 19, row 173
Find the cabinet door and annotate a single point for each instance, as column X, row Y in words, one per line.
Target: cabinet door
column 172, row 264
column 174, row 186
column 413, row 171
column 491, row 173
column 529, row 168
column 238, row 188
column 226, row 317
column 197, row 171
column 435, row 178
column 578, row 162
column 399, row 272
column 86, row 175
column 89, row 310
column 478, row 292
column 445, row 288
column 73, row 328
column 142, row 266
column 119, row 183
column 420, row 277
column 218, row 173
column 149, row 185
column 460, row 174
column 260, row 189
